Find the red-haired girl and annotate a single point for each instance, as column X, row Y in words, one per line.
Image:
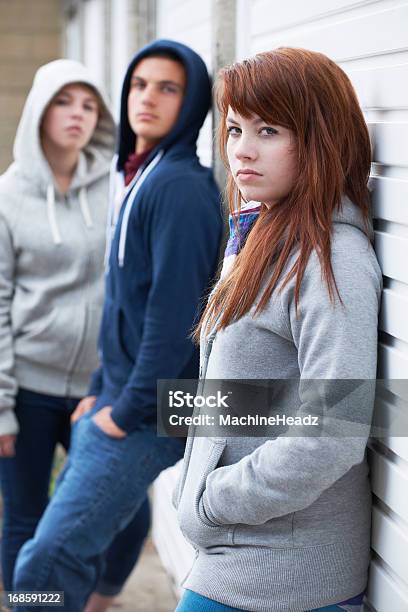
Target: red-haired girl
column 282, row 524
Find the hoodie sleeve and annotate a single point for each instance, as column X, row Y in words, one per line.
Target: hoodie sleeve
column 8, row 384
column 337, row 350
column 183, row 230
column 96, row 384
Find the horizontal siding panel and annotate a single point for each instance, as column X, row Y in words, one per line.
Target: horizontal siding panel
column 382, row 88
column 187, row 25
column 392, row 363
column 182, row 21
column 175, row 552
column 392, row 254
column 392, row 321
column 397, row 445
column 391, row 420
column 173, row 18
column 387, row 481
column 390, row 542
column 170, row 544
column 390, row 143
column 170, row 555
column 294, row 12
column 390, row 198
column 398, row 387
column 384, row 593
column 347, row 38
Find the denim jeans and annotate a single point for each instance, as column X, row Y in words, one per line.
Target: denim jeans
column 44, row 422
column 193, row 602
column 102, row 487
column 25, row 478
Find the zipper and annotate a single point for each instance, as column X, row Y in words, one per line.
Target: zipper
column 82, row 332
column 190, row 438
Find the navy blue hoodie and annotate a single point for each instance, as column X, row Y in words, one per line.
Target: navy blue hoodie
column 162, row 257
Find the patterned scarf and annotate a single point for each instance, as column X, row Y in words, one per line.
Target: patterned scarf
column 240, row 225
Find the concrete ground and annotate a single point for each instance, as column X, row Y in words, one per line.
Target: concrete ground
column 148, row 588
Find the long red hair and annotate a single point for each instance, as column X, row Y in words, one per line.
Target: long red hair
column 309, row 94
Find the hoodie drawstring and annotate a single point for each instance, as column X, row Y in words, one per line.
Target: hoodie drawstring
column 52, row 216
column 86, row 213
column 111, row 211
column 129, row 204
column 52, row 212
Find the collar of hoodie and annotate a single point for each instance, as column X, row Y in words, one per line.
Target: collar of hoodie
column 52, row 212
column 127, row 197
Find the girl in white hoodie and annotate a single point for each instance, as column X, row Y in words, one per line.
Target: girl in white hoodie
column 53, row 204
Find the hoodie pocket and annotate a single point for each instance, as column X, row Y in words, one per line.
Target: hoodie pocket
column 275, row 533
column 87, row 357
column 53, row 339
column 194, row 524
column 112, row 343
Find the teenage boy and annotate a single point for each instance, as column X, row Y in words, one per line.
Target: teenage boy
column 166, row 228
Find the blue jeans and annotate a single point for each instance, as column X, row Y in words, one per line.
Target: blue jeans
column 102, row 487
column 193, row 602
column 25, row 478
column 44, row 422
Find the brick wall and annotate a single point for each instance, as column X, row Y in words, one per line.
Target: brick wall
column 30, row 35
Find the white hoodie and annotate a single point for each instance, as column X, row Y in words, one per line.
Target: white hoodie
column 51, row 254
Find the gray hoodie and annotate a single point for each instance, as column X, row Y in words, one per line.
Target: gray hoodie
column 51, row 254
column 283, row 524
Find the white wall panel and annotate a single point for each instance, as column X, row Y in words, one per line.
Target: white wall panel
column 344, row 37
column 385, row 591
column 388, row 480
column 390, row 542
column 305, row 13
column 94, row 46
column 370, row 41
column 392, row 252
column 384, row 87
column 119, row 50
column 392, row 416
column 390, row 143
column 189, row 22
column 175, row 552
column 393, row 363
column 390, row 199
column 391, row 321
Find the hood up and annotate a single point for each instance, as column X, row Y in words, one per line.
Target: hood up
column 94, row 159
column 196, row 102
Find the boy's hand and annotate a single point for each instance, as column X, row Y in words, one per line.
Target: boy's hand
column 104, row 421
column 84, row 406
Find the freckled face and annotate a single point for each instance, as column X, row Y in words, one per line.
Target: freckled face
column 262, row 158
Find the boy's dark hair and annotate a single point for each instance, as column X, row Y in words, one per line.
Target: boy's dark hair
column 165, row 55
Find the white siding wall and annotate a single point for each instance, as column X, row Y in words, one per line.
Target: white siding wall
column 189, row 22
column 175, row 552
column 120, row 56
column 94, row 38
column 369, row 39
column 73, row 39
column 86, row 39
